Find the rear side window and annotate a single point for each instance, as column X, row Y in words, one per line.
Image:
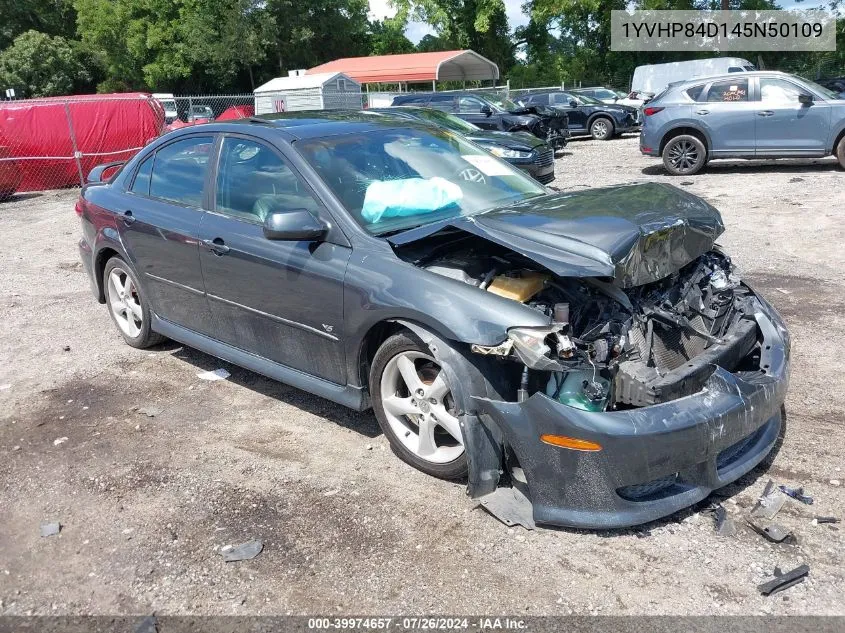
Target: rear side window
column 179, row 171
column 446, row 103
column 723, row 91
column 696, row 93
column 141, row 184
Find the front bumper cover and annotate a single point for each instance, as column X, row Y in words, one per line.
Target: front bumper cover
column 698, row 443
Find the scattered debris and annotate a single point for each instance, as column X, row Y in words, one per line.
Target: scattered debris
column 822, row 520
column 5, row 386
column 784, row 581
column 796, row 179
column 245, row 551
column 59, row 440
column 16, row 447
column 66, row 348
column 784, row 291
column 687, row 183
column 150, row 412
column 774, row 532
column 797, row 494
column 330, row 493
column 769, row 503
column 50, row 529
column 835, row 482
column 724, row 525
column 217, row 374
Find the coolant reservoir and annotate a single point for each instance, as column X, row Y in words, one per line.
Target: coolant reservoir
column 521, row 288
column 580, row 390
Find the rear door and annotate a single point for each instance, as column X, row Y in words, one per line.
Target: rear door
column 725, row 110
column 160, row 229
column 281, row 300
column 784, row 125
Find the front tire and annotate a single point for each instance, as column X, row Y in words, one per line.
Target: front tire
column 128, row 308
column 601, row 129
column 684, row 155
column 840, row 152
column 414, row 406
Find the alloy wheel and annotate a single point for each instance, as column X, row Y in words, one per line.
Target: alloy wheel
column 125, row 303
column 684, row 155
column 419, row 407
column 600, row 129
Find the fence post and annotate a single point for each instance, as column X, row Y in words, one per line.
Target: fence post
column 76, row 153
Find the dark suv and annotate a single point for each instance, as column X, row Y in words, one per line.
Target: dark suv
column 491, row 112
column 586, row 115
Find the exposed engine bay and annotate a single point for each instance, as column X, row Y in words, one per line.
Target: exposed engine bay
column 606, row 347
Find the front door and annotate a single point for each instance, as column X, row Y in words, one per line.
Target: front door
column 727, row 113
column 281, row 300
column 784, row 125
column 469, row 109
column 577, row 116
column 160, row 229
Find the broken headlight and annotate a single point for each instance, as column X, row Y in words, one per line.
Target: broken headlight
column 540, row 347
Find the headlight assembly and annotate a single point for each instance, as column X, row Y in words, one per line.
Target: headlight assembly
column 537, row 347
column 506, row 152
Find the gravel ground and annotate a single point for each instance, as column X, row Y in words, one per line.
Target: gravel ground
column 150, row 471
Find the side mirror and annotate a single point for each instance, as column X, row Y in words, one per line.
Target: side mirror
column 294, row 225
column 573, row 103
column 805, row 99
column 486, row 110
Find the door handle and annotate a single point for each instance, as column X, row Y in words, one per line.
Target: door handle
column 216, row 246
column 702, row 112
column 128, row 218
column 765, row 113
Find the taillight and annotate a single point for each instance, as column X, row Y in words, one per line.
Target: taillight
column 80, row 207
column 652, row 110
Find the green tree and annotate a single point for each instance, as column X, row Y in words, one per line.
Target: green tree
column 387, row 37
column 40, row 65
column 53, row 17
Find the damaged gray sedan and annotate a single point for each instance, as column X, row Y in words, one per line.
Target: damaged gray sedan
column 586, row 359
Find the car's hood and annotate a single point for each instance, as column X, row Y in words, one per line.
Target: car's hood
column 513, row 140
column 635, row 234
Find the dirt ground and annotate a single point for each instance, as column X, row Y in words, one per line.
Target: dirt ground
column 150, row 470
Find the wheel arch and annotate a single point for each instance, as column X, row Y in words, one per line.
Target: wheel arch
column 685, row 129
column 102, row 257
column 600, row 115
column 837, row 139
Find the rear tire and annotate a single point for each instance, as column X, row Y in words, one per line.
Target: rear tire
column 415, row 408
column 684, row 155
column 601, row 129
column 840, row 152
column 128, row 308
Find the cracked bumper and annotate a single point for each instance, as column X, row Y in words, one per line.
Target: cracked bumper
column 654, row 460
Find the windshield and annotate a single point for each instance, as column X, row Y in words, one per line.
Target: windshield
column 827, row 93
column 395, row 179
column 504, row 104
column 449, row 121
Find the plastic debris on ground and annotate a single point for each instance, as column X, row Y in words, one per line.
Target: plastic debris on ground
column 724, row 525
column 784, row 581
column 823, row 520
column 244, row 551
column 59, row 440
column 774, row 532
column 50, row 529
column 797, row 494
column 769, row 503
column 217, row 374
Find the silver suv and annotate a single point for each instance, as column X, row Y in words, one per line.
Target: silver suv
column 748, row 115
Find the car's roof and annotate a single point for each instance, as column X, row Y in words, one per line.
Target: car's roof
column 318, row 123
column 750, row 73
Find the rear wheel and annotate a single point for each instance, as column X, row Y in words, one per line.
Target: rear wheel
column 840, row 152
column 684, row 155
column 414, row 406
column 601, row 129
column 128, row 308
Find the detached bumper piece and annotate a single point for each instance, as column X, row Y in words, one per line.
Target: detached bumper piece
column 653, row 460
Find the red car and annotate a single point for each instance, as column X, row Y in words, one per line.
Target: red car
column 10, row 174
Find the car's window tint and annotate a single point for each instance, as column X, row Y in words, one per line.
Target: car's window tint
column 469, row 105
column 179, row 170
column 728, row 91
column 778, row 91
column 141, row 184
column 734, row 69
column 560, row 99
column 446, row 103
column 252, row 180
column 696, row 92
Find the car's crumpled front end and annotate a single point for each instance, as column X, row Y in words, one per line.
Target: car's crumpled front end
column 660, row 375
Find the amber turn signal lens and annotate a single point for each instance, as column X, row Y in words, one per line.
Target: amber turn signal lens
column 570, row 442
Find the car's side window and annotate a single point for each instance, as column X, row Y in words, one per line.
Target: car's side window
column 445, row 103
column 141, row 184
column 469, row 105
column 252, row 181
column 178, row 174
column 778, row 91
column 728, row 91
column 559, row 99
column 696, row 93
